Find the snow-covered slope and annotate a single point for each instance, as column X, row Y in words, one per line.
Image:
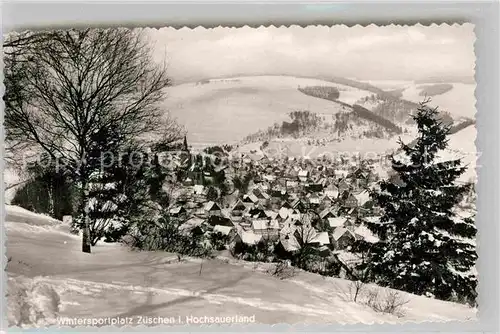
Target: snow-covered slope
column 11, row 180
column 461, row 145
column 50, row 278
column 459, row 101
column 223, row 111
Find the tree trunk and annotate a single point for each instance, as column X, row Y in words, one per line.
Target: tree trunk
column 86, row 247
column 51, row 199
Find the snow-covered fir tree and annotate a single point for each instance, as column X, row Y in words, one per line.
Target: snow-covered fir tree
column 426, row 247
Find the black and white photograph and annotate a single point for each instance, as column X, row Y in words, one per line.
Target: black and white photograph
column 252, row 175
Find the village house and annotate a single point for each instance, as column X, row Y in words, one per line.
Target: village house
column 299, row 205
column 178, row 211
column 250, row 198
column 229, row 231
column 193, row 225
column 337, row 222
column 212, row 209
column 219, row 220
column 341, row 173
column 238, row 209
column 314, row 200
column 361, row 232
column 362, row 198
column 261, row 195
column 348, row 261
column 268, row 228
column 291, row 184
column 321, row 239
column 326, row 202
column 351, row 201
column 200, row 190
column 342, row 238
column 327, row 213
column 257, row 212
column 271, row 214
column 331, row 191
column 295, row 214
column 188, row 181
column 343, row 186
column 286, row 245
column 303, row 175
column 248, row 238
column 314, row 187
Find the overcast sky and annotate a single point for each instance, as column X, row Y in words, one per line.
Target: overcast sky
column 365, row 53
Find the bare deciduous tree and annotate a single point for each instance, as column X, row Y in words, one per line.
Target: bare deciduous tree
column 65, row 88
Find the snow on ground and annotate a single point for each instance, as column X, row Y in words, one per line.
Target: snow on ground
column 10, row 179
column 373, row 148
column 389, row 84
column 461, row 145
column 50, row 278
column 459, row 101
column 224, row 111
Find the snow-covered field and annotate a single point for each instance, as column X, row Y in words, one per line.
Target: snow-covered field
column 460, row 101
column 50, row 280
column 224, row 111
column 462, row 145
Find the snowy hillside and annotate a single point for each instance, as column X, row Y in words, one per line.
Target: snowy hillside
column 459, row 101
column 462, row 145
column 50, row 278
column 240, row 106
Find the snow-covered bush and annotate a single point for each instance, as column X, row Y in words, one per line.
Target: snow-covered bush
column 386, row 301
column 163, row 233
column 282, row 270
